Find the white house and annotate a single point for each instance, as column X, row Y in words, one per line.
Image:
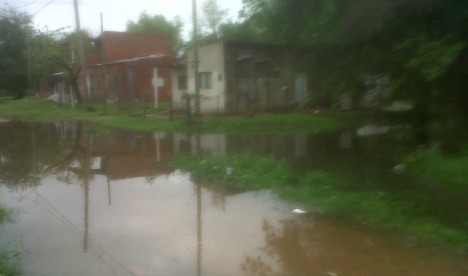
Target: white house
column 236, row 78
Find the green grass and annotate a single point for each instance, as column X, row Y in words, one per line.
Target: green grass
column 376, row 208
column 240, row 171
column 330, row 194
column 446, row 175
column 40, row 111
column 7, row 267
column 44, row 111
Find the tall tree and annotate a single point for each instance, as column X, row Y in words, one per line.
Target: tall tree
column 15, row 31
column 420, row 44
column 215, row 16
column 158, row 24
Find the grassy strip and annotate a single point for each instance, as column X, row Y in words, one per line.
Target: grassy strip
column 239, row 171
column 443, row 175
column 331, row 195
column 45, row 111
column 40, row 111
column 6, row 267
column 377, row 208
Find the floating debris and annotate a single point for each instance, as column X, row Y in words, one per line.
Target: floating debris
column 299, row 211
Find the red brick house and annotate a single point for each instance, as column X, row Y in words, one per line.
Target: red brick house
column 124, row 66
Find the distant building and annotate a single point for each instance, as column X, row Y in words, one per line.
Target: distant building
column 239, row 78
column 124, row 66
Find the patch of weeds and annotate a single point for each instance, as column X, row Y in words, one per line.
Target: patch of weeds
column 446, row 175
column 241, row 171
column 394, row 210
column 7, row 259
column 375, row 208
column 8, row 265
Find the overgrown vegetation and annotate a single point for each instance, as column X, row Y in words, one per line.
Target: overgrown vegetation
column 404, row 210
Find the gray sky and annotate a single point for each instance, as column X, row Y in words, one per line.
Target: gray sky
column 60, row 13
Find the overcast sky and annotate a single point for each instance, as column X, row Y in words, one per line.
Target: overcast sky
column 56, row 14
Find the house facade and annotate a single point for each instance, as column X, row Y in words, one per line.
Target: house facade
column 239, row 78
column 130, row 68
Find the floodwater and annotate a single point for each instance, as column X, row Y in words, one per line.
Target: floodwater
column 93, row 203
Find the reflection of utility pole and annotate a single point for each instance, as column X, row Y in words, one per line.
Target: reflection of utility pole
column 109, row 198
column 195, row 58
column 199, row 228
column 81, row 49
column 86, row 175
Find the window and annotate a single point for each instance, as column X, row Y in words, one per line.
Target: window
column 114, row 80
column 182, row 82
column 205, row 80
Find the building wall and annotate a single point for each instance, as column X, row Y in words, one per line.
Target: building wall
column 211, row 60
column 259, row 78
column 128, row 58
column 121, row 45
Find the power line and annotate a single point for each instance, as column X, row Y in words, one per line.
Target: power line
column 28, row 4
column 45, row 6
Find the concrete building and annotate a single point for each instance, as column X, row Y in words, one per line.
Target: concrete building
column 242, row 78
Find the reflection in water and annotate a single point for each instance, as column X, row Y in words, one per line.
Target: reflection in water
column 113, row 198
column 319, row 246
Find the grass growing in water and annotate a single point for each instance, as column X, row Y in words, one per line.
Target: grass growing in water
column 377, row 208
column 240, row 171
column 6, row 267
column 332, row 195
column 444, row 175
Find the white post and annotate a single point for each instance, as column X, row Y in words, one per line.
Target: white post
column 155, row 87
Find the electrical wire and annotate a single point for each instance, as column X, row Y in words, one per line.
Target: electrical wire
column 45, row 6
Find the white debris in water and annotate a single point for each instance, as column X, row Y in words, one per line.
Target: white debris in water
column 299, row 211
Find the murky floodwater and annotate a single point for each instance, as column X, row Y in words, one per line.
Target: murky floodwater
column 108, row 205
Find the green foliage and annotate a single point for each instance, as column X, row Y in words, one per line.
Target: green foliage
column 431, row 59
column 14, row 33
column 214, row 16
column 408, row 213
column 28, row 109
column 158, row 24
column 443, row 175
column 241, row 171
column 6, row 266
column 44, row 111
column 420, row 45
column 376, row 208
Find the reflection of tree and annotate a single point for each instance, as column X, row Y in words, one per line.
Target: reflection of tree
column 26, row 153
column 288, row 246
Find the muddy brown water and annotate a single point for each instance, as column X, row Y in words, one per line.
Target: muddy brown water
column 112, row 207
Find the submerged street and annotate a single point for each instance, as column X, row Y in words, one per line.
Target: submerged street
column 108, row 203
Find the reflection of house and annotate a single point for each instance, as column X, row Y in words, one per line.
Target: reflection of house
column 126, row 155
column 125, row 66
column 233, row 78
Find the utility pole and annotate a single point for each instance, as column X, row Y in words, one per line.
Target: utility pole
column 81, row 51
column 103, row 66
column 195, row 58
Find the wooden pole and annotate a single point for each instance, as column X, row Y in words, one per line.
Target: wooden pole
column 195, row 57
column 81, row 50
